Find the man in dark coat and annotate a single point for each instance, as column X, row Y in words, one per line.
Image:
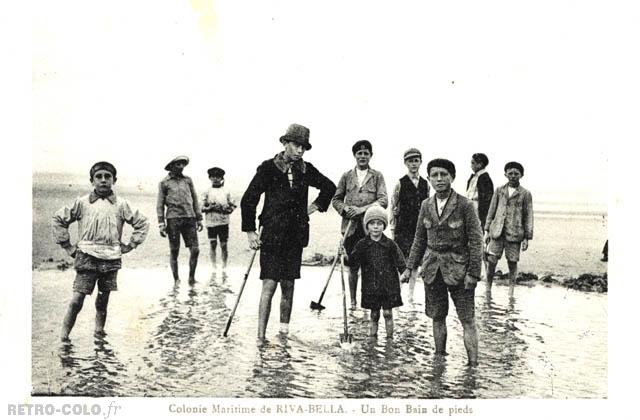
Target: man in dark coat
column 285, row 182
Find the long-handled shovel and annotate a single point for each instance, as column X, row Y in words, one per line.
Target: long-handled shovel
column 246, row 276
column 346, row 339
column 318, row 305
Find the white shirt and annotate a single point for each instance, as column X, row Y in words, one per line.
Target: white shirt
column 440, row 204
column 511, row 190
column 361, row 174
column 472, row 191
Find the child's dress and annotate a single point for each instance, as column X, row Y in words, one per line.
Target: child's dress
column 381, row 262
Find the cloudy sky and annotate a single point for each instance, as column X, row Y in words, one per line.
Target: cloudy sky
column 137, row 83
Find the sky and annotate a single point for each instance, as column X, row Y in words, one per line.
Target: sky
column 137, row 83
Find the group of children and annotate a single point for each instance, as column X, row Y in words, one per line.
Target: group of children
column 426, row 231
column 101, row 214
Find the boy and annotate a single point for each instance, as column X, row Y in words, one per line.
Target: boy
column 100, row 216
column 177, row 193
column 358, row 189
column 381, row 261
column 217, row 205
column 449, row 231
column 284, row 180
column 509, row 224
column 407, row 197
column 480, row 186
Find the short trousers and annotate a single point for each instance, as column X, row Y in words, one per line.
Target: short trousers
column 85, row 281
column 220, row 231
column 280, row 263
column 375, row 302
column 436, row 297
column 185, row 226
column 511, row 249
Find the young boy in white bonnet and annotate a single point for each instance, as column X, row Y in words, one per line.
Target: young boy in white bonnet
column 381, row 261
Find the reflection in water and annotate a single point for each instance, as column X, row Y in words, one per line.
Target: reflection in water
column 96, row 375
column 525, row 350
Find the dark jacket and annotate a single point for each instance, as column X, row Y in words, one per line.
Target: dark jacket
column 381, row 261
column 284, row 214
column 453, row 242
column 485, row 193
column 406, row 211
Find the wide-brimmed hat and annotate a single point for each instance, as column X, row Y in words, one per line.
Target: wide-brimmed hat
column 176, row 159
column 298, row 134
column 215, row 171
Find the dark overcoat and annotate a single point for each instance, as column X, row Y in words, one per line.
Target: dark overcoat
column 284, row 218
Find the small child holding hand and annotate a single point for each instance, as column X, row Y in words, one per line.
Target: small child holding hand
column 381, row 261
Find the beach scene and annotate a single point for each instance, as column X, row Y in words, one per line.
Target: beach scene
column 220, row 82
column 167, row 341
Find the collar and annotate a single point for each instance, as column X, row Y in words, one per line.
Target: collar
column 384, row 241
column 415, row 177
column 480, row 172
column 176, row 176
column 284, row 166
column 93, row 197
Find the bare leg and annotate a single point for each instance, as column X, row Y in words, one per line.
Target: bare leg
column 491, row 271
column 471, row 341
column 513, row 275
column 212, row 253
column 225, row 254
column 440, row 335
column 412, row 284
column 353, row 285
column 102, row 300
column 268, row 289
column 388, row 321
column 173, row 262
column 193, row 263
column 375, row 317
column 70, row 318
column 286, row 300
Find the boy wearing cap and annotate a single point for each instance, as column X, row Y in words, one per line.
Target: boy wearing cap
column 358, row 189
column 284, row 180
column 217, row 205
column 448, row 244
column 100, row 216
column 381, row 261
column 509, row 224
column 408, row 195
column 177, row 195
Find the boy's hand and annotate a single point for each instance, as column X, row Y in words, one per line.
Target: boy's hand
column 525, row 244
column 125, row 248
column 200, row 226
column 254, row 241
column 71, row 250
column 487, row 238
column 406, row 275
column 342, row 251
column 163, row 230
column 349, row 211
column 470, row 282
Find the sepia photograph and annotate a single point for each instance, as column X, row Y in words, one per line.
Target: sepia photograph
column 376, row 206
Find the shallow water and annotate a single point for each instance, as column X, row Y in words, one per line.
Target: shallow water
column 546, row 342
